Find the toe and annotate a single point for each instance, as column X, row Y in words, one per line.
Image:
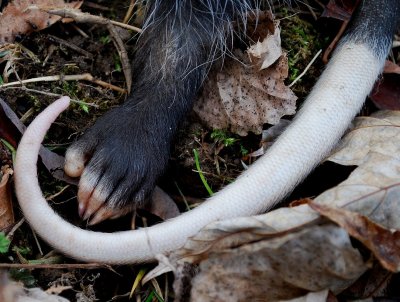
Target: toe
column 105, row 213
column 74, row 162
column 92, row 194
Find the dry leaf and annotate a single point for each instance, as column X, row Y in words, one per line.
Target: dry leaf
column 340, row 9
column 373, row 189
column 384, row 243
column 21, row 17
column 268, row 51
column 162, row 205
column 391, row 67
column 242, row 98
column 270, row 135
column 282, row 268
column 386, row 93
column 14, row 292
column 6, row 208
column 320, row 296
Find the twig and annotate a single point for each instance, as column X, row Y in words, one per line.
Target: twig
column 51, row 197
column 75, row 77
column 55, row 266
column 37, row 242
column 311, row 11
column 81, row 17
column 24, row 88
column 80, row 31
column 306, row 69
column 334, row 42
column 72, row 46
column 10, row 234
column 129, row 11
column 126, row 65
column 96, row 6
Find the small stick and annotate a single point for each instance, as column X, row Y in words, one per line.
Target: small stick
column 81, row 17
column 55, row 266
column 334, row 42
column 72, row 46
column 75, row 77
column 306, row 69
column 126, row 65
column 129, row 12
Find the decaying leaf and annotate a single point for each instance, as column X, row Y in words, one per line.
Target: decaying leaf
column 268, row 51
column 386, row 93
column 25, row 16
column 162, row 205
column 290, row 251
column 319, row 257
column 321, row 296
column 242, row 97
column 341, row 9
column 373, row 189
column 14, row 292
column 6, row 209
column 391, row 67
column 270, row 135
column 384, row 243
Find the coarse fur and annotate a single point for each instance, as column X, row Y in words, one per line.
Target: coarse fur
column 327, row 112
column 128, row 148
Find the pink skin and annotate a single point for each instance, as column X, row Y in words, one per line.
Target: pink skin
column 91, row 201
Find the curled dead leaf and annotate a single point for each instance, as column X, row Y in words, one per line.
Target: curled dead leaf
column 243, row 98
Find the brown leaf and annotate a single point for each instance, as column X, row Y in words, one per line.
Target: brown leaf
column 267, row 52
column 21, row 17
column 6, row 208
column 340, row 9
column 249, row 91
column 314, row 259
column 373, row 189
column 8, row 130
column 384, row 243
column 391, row 67
column 162, row 205
column 386, row 93
column 243, row 99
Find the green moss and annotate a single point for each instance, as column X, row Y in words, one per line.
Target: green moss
column 301, row 41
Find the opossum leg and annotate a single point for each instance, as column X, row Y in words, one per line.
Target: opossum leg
column 120, row 158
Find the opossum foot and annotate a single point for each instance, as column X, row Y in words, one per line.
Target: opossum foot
column 118, row 160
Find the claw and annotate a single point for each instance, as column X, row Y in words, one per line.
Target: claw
column 81, row 209
column 101, row 215
column 108, row 213
column 92, row 206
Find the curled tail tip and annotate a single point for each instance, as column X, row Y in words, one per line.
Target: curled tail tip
column 63, row 102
